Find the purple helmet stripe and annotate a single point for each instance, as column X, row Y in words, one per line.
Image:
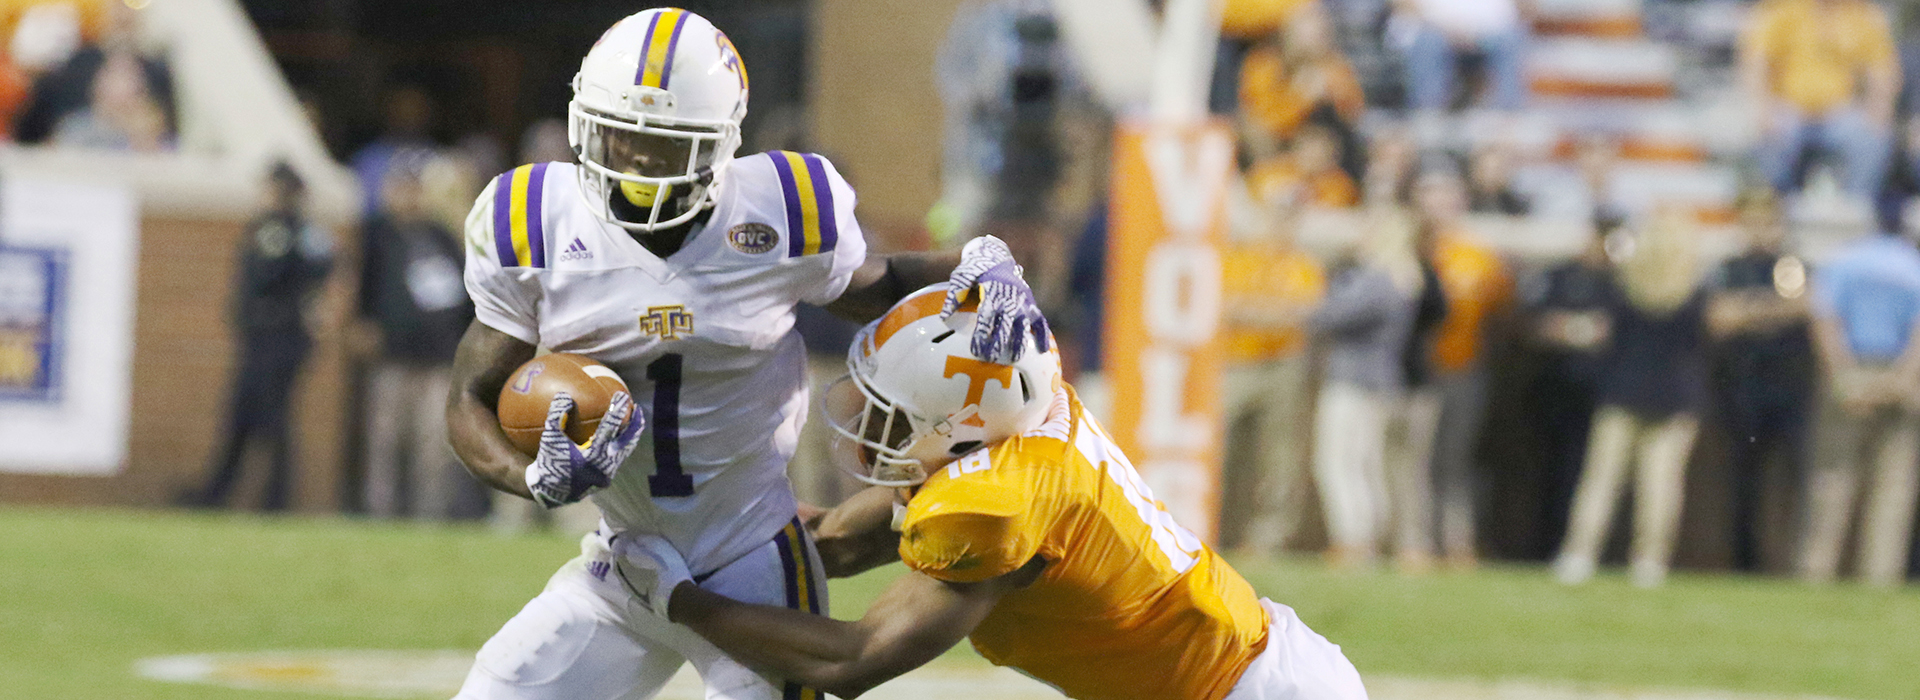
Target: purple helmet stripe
column 640, row 73
column 673, row 42
column 823, row 192
column 536, row 228
column 503, row 219
column 796, row 229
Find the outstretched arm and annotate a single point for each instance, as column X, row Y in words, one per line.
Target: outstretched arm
column 858, row 534
column 884, row 279
column 481, row 365
column 916, row 619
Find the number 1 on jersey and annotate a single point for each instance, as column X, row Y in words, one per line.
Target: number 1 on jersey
column 668, row 480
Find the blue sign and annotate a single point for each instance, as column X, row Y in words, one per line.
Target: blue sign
column 33, row 296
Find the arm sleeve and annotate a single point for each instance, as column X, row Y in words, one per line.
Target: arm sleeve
column 505, row 299
column 849, row 252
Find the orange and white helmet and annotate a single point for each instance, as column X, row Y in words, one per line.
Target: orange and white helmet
column 656, row 113
column 916, row 397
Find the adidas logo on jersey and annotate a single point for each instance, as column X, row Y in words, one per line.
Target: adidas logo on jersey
column 576, row 251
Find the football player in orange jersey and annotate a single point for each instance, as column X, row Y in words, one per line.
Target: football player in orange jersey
column 1026, row 529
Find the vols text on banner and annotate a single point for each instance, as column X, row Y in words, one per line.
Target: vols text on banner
column 1164, row 296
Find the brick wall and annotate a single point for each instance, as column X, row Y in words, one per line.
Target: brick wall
column 182, row 366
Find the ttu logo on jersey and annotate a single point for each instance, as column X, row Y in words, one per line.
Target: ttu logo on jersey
column 668, row 322
column 576, row 251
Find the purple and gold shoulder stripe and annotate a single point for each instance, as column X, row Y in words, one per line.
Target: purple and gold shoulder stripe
column 811, row 226
column 519, row 233
column 663, row 35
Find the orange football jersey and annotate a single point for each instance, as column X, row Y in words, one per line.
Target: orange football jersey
column 1261, row 275
column 1476, row 285
column 1131, row 605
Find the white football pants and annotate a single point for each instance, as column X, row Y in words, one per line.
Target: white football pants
column 586, row 638
column 1298, row 664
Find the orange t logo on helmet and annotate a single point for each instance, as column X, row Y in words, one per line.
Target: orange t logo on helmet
column 978, row 374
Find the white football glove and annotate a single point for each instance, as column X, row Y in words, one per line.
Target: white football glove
column 1008, row 310
column 563, row 472
column 650, row 567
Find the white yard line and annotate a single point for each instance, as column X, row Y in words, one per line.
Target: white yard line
column 437, row 674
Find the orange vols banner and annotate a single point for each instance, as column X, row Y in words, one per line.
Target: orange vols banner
column 1163, row 347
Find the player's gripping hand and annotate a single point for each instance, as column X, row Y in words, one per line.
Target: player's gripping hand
column 650, row 567
column 1007, row 307
column 564, row 472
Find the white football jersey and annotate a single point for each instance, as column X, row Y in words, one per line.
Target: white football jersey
column 703, row 338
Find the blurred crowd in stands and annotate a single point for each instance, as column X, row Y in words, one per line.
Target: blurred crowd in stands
column 1421, row 393
column 78, row 74
column 1394, row 395
column 1641, row 355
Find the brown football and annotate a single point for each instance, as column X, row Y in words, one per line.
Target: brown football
column 530, row 389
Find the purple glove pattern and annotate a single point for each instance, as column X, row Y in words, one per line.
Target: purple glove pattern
column 563, row 472
column 1007, row 310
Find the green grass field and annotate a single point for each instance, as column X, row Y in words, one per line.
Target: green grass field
column 83, row 594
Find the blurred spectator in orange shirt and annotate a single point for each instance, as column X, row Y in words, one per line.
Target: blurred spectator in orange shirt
column 1310, row 172
column 1298, row 77
column 1477, row 287
column 1256, row 18
column 1271, row 287
column 1822, row 74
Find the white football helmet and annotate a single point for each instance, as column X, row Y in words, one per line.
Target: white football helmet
column 916, row 397
column 655, row 114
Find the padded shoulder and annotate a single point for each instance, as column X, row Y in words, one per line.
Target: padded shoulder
column 967, row 532
column 974, row 519
column 511, row 219
column 803, row 192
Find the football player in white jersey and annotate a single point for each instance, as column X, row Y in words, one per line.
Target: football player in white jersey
column 678, row 266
